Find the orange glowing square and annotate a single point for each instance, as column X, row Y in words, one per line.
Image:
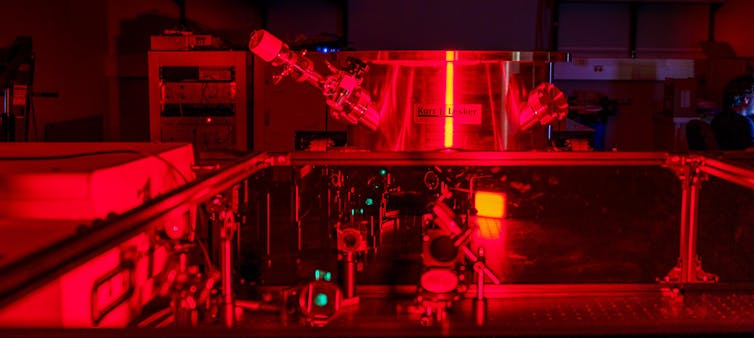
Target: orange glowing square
column 489, row 204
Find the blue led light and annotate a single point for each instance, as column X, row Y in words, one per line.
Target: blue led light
column 325, row 50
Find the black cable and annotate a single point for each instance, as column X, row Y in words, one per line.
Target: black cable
column 29, row 96
column 32, row 116
column 96, row 153
column 68, row 156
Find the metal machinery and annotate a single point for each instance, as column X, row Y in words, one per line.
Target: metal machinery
column 200, row 97
column 55, row 192
column 16, row 78
column 428, row 223
column 409, row 244
column 431, row 100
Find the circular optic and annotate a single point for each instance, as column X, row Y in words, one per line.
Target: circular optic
column 369, row 201
column 443, row 250
column 431, row 180
column 439, row 281
column 350, row 241
column 175, row 231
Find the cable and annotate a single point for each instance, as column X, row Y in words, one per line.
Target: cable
column 96, row 153
column 68, row 156
column 154, row 317
column 32, row 117
column 207, row 259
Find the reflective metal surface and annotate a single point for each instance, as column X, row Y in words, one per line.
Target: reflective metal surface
column 563, row 224
column 589, row 310
column 426, row 57
column 466, row 100
column 578, row 229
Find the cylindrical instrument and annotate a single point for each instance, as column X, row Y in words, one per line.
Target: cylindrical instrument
column 465, row 100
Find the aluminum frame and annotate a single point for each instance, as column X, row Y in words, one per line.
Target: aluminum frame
column 33, row 271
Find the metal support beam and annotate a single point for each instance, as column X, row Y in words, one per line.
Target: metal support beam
column 632, row 29
column 713, row 8
column 689, row 268
column 25, row 275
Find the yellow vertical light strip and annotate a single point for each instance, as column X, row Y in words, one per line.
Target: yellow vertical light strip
column 450, row 57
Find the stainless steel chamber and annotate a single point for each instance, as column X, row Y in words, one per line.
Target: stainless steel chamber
column 464, row 100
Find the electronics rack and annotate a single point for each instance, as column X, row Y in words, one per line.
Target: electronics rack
column 200, row 97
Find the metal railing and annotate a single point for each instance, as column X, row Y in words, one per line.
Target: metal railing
column 25, row 275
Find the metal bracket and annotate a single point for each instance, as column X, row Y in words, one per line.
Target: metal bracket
column 687, row 168
column 223, row 215
column 698, row 275
column 689, row 267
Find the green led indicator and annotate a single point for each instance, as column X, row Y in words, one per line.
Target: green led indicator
column 353, row 212
column 320, row 299
column 369, row 201
column 328, row 276
column 383, row 172
column 317, row 274
column 361, row 211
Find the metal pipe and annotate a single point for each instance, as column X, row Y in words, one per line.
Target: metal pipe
column 256, row 305
column 555, row 26
column 350, row 276
column 692, row 221
column 480, row 159
column 6, row 120
column 268, row 223
column 227, row 273
column 747, row 182
column 717, row 164
column 480, row 302
column 243, row 201
column 471, row 256
column 26, row 274
column 480, row 311
column 684, row 244
column 6, row 101
column 372, row 234
column 632, row 27
column 729, row 172
column 713, row 9
column 479, row 269
column 296, row 213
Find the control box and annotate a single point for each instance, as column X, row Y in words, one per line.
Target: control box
column 200, row 97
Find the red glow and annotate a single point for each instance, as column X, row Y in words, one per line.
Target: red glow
column 75, row 184
column 450, row 57
column 176, row 230
column 439, row 280
column 119, row 178
column 491, row 234
column 489, row 204
column 489, row 228
column 490, row 208
column 93, row 294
